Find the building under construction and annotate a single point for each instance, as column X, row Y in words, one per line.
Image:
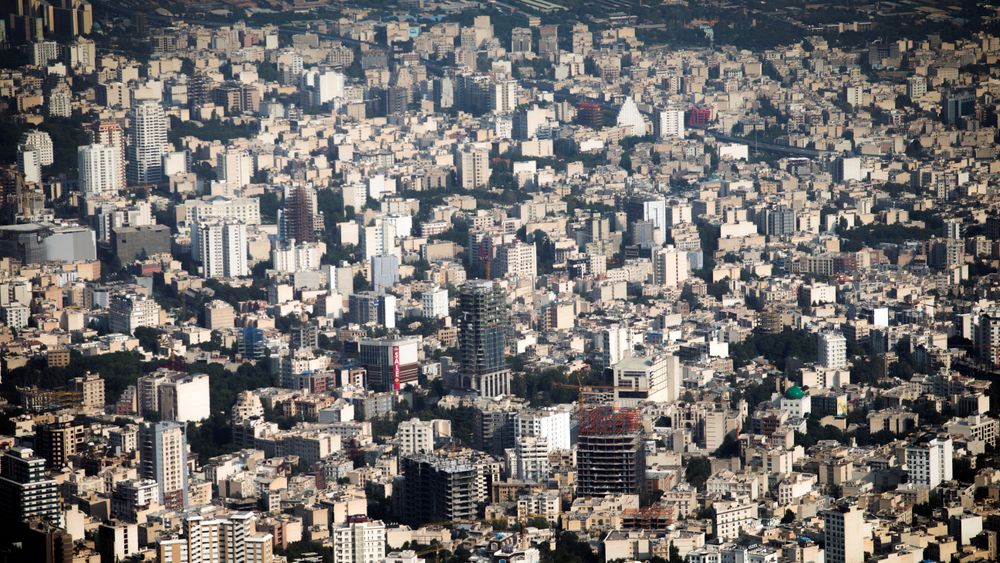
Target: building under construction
column 610, row 454
column 299, row 220
column 433, row 488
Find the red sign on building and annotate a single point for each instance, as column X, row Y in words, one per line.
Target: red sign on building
column 395, row 368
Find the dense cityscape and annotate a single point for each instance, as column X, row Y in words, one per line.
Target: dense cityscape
column 520, row 281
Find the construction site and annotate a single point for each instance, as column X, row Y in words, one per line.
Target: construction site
column 610, row 455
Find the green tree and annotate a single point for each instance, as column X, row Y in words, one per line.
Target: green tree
column 697, row 471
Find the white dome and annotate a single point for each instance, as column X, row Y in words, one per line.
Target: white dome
column 629, row 116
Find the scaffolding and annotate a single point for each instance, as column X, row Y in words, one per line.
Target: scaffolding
column 650, row 518
column 609, row 421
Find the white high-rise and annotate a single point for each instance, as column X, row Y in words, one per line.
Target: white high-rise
column 613, row 344
column 221, row 247
column 929, row 459
column 832, row 350
column 473, row 165
column 41, row 143
column 670, row 123
column 360, row 542
column 99, row 169
column 148, row 135
column 234, row 168
column 670, row 267
column 29, row 164
column 415, row 436
column 503, row 96
column 843, row 534
column 551, row 424
column 435, row 302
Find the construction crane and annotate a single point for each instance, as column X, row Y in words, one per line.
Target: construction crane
column 583, row 389
column 435, row 549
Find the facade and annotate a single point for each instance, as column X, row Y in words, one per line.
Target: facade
column 221, row 247
column 212, row 541
column 473, row 167
column 483, row 326
column 551, row 424
column 237, row 209
column 832, row 350
column 516, row 260
column 130, row 311
column 929, row 459
column 670, row 124
column 415, row 436
column 110, row 133
column 651, row 378
column 185, row 399
column 359, row 542
column 610, row 455
column 131, row 243
column 163, row 458
column 369, row 308
column 148, row 143
column 390, row 362
column 670, row 267
column 434, row 302
column 843, row 534
column 26, row 490
column 58, row 441
column 98, row 169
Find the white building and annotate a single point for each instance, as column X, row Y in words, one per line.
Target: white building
column 221, row 247
column 99, row 169
column 843, row 534
column 241, row 209
column 517, row 260
column 531, row 459
column 41, row 143
column 649, row 378
column 129, row 311
column 28, row 163
column 379, row 239
column 670, row 267
column 473, row 165
column 323, row 85
column 732, row 518
column 670, row 124
column 60, row 102
column 503, row 96
column 148, row 134
column 15, row 316
column 234, row 168
column 551, row 424
column 360, row 542
column 163, row 458
column 185, row 399
column 415, row 436
column 630, row 118
column 291, row 257
column 929, row 459
column 613, row 344
column 435, row 302
column 832, row 350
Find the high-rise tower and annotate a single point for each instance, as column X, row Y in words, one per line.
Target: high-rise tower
column 610, row 454
column 483, row 326
column 163, row 458
column 148, row 136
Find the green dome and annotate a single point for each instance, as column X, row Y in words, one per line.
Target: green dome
column 794, row 392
